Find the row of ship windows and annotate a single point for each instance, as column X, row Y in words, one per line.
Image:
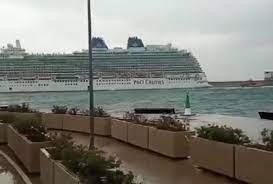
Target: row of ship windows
column 181, row 79
column 116, row 59
column 26, row 82
column 186, row 80
column 31, row 82
column 114, row 80
column 29, row 85
column 67, row 81
column 100, row 84
column 70, row 81
column 99, row 80
column 110, row 61
column 74, row 84
column 172, row 82
column 64, row 69
column 116, row 64
column 84, row 65
column 103, row 68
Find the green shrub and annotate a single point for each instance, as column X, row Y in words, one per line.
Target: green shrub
column 92, row 166
column 171, row 124
column 267, row 137
column 100, row 112
column 164, row 123
column 223, row 134
column 129, row 116
column 24, row 107
column 136, row 118
column 59, row 109
column 7, row 118
column 60, row 142
column 33, row 129
column 73, row 111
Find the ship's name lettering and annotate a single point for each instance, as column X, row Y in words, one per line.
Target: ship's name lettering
column 151, row 82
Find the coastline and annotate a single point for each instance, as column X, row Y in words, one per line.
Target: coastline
column 260, row 83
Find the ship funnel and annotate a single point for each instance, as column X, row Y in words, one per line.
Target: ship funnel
column 18, row 44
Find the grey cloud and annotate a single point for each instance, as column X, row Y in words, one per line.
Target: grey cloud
column 232, row 35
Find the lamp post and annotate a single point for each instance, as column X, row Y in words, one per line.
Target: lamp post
column 91, row 92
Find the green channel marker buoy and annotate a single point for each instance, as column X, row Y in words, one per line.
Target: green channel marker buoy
column 187, row 105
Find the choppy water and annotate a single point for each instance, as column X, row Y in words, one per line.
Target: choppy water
column 244, row 102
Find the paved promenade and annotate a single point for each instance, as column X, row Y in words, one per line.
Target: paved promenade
column 154, row 168
column 149, row 166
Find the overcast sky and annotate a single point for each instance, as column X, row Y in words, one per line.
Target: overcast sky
column 233, row 40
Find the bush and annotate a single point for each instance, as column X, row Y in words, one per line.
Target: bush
column 59, row 142
column 73, row 111
column 20, row 108
column 223, row 134
column 90, row 165
column 267, row 136
column 136, row 118
column 7, row 118
column 32, row 129
column 171, row 124
column 164, row 123
column 129, row 116
column 59, row 109
column 100, row 112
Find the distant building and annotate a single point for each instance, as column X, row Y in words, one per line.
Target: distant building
column 268, row 75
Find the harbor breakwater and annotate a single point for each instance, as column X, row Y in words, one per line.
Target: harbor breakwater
column 239, row 83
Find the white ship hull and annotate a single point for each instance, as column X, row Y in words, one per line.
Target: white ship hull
column 99, row 84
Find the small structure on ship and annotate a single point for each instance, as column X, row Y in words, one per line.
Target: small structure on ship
column 268, row 75
column 134, row 42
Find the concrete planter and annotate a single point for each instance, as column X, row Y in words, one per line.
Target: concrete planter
column 46, row 167
column 119, row 130
column 103, row 126
column 76, row 123
column 3, row 133
column 138, row 135
column 3, row 113
column 169, row 143
column 62, row 175
column 53, row 172
column 212, row 155
column 21, row 115
column 25, row 150
column 253, row 165
column 82, row 124
column 53, row 121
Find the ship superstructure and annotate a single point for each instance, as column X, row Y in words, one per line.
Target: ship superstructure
column 137, row 67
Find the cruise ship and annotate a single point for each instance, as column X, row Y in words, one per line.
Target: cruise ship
column 136, row 67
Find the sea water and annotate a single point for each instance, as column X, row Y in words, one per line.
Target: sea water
column 243, row 102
